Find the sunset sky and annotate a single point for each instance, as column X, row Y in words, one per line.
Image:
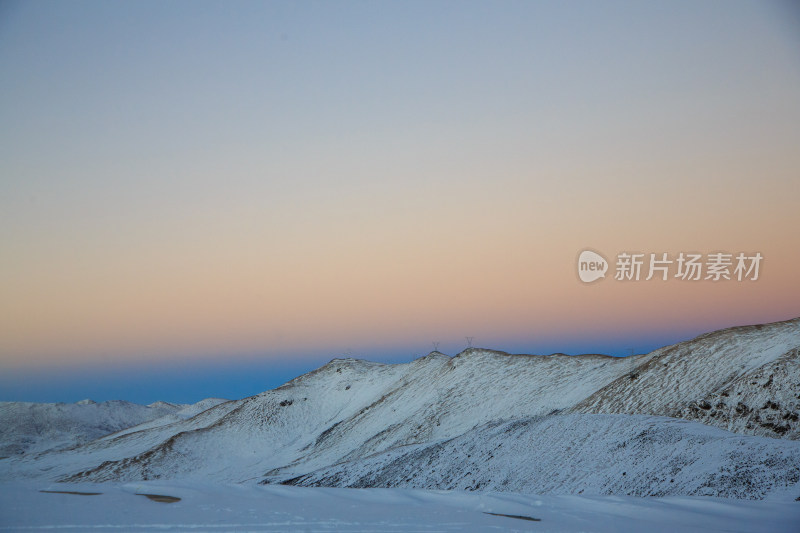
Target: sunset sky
column 208, row 198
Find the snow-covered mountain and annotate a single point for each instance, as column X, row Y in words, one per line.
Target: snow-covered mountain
column 184, row 412
column 35, row 427
column 635, row 455
column 368, row 417
column 744, row 379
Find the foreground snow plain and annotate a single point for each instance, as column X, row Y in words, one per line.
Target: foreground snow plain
column 231, row 507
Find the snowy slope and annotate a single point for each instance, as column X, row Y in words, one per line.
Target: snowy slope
column 764, row 401
column 349, row 409
column 36, row 427
column 755, row 365
column 631, row 455
column 180, row 414
column 56, row 463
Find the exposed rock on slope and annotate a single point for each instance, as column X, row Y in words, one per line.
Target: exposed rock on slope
column 756, row 366
column 762, row 402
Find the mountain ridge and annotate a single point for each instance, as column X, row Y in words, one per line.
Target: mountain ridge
column 351, row 409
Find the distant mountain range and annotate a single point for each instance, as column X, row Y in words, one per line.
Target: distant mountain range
column 27, row 427
column 717, row 415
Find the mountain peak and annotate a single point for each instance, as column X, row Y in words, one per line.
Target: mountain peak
column 163, row 405
column 436, row 354
column 471, row 352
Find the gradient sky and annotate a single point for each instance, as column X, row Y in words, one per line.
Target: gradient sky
column 207, row 198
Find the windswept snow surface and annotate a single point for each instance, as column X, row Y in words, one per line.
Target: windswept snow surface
column 209, row 507
column 584, row 454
